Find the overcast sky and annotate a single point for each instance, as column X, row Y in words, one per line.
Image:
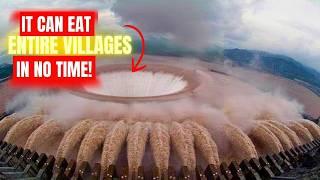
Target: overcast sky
column 289, row 27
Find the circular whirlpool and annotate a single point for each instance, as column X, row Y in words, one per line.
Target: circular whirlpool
column 159, row 82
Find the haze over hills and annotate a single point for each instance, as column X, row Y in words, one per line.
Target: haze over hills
column 275, row 64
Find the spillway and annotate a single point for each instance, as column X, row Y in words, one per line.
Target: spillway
column 154, row 122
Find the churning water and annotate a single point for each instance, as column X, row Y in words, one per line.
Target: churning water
column 138, row 84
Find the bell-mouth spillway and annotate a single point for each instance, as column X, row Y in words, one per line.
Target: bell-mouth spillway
column 157, row 83
column 195, row 124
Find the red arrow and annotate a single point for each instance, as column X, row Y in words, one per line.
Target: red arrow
column 135, row 66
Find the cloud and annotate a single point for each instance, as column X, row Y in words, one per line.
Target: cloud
column 286, row 27
column 187, row 22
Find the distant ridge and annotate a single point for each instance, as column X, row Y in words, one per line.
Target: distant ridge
column 5, row 71
column 277, row 65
